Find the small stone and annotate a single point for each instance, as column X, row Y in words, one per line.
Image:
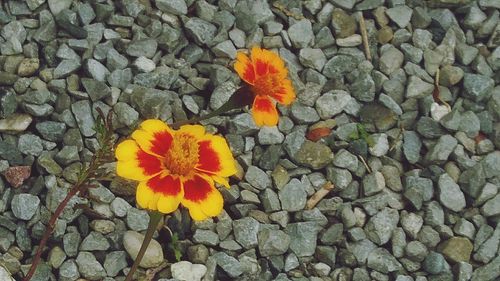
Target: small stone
column 89, row 267
column 381, row 260
column 97, row 90
column 338, row 66
column 303, row 236
column 304, row 114
column 225, row 49
column 207, row 237
column 17, row 175
column 457, row 249
column 115, row 262
column 465, row 228
column 186, row 271
column 137, row 219
column 417, row 88
column 96, row 70
column 125, row 114
column 293, row 196
column 380, row 146
column 463, row 271
column 450, row 194
column 477, row 87
column 176, row 7
column 245, row 232
column 347, row 160
column 416, row 251
column 314, row 155
column 71, row 242
column 492, row 206
column 56, row 257
column 344, row 25
column 411, row 223
column 313, row 58
column 442, row 149
column 56, row 6
column 273, row 242
column 95, row 241
column 132, row 242
column 400, row 14
column 68, row 271
column 15, row 123
column 350, row 41
column 488, row 271
column 450, row 75
column 229, row 264
column 28, row 67
column 434, row 263
column 333, row 234
column 257, row 178
column 373, row 183
column 66, row 67
column 391, row 60
column 120, row 207
column 379, row 228
column 332, row 103
column 24, row 205
column 201, row 31
column 84, row 118
column 270, row 135
column 301, row 33
column 103, row 226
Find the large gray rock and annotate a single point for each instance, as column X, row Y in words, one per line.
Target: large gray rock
column 132, row 242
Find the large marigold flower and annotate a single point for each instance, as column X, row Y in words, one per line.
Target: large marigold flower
column 176, row 167
column 267, row 76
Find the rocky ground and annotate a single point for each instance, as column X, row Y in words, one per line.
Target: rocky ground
column 416, row 168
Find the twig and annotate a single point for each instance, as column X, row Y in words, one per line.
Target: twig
column 150, row 273
column 364, row 163
column 322, row 192
column 364, row 36
column 436, row 92
column 105, row 137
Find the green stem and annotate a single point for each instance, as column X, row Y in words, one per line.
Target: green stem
column 154, row 219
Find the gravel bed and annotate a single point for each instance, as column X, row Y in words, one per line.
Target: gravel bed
column 416, row 167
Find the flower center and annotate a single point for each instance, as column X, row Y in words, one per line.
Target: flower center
column 266, row 84
column 182, row 156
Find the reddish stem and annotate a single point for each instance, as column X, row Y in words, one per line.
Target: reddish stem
column 49, row 229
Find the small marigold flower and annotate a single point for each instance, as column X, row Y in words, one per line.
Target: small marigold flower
column 176, row 167
column 267, row 76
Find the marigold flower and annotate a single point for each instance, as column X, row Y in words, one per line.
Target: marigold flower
column 267, row 76
column 176, row 167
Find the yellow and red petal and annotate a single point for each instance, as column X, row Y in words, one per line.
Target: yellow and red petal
column 133, row 163
column 267, row 62
column 201, row 197
column 264, row 111
column 244, row 68
column 215, row 157
column 284, row 94
column 154, row 137
column 162, row 192
column 197, row 131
